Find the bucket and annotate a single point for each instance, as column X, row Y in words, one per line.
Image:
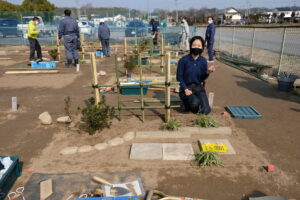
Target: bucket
column 285, row 84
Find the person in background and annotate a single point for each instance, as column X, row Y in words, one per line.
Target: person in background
column 33, row 42
column 104, row 36
column 69, row 30
column 155, row 32
column 210, row 39
column 192, row 71
column 185, row 34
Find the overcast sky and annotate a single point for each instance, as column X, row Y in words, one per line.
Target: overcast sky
column 170, row 4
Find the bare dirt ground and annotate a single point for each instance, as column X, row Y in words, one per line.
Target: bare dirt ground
column 270, row 140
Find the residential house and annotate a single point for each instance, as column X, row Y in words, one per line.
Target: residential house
column 233, row 16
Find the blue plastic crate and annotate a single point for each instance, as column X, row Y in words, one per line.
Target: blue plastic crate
column 43, row 65
column 110, row 198
column 143, row 60
column 134, row 90
column 243, row 112
column 153, row 51
column 10, row 176
column 98, row 53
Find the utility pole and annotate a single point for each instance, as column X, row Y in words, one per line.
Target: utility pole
column 148, row 18
column 176, row 4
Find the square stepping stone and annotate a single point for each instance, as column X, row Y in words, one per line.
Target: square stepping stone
column 177, row 151
column 231, row 150
column 146, row 151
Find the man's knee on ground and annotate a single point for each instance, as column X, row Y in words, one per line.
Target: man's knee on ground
column 194, row 108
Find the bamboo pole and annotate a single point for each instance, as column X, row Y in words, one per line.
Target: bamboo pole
column 141, row 87
column 118, row 84
column 58, row 47
column 125, row 46
column 162, row 53
column 134, row 84
column 95, row 77
column 33, row 72
column 168, row 91
column 145, row 107
column 82, row 46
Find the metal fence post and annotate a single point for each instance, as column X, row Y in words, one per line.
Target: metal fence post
column 252, row 46
column 233, row 36
column 282, row 49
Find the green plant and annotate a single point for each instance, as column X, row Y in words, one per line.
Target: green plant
column 67, row 106
column 286, row 75
column 208, row 158
column 205, row 121
column 53, row 53
column 142, row 44
column 96, row 116
column 172, row 125
column 130, row 63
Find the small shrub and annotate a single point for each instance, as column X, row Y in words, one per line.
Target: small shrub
column 130, row 63
column 172, row 125
column 53, row 53
column 67, row 106
column 203, row 159
column 205, row 121
column 96, row 116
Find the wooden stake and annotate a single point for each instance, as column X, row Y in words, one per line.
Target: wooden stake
column 82, row 46
column 168, row 90
column 125, row 46
column 142, row 87
column 162, row 53
column 95, row 77
column 58, row 47
column 118, row 84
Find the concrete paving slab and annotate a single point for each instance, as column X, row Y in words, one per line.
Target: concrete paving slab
column 162, row 134
column 231, row 150
column 177, row 151
column 146, row 151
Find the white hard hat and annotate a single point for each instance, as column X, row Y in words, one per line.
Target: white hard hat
column 101, row 20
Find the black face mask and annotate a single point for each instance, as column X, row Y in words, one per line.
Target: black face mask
column 196, row 51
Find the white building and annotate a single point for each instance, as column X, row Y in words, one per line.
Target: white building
column 232, row 16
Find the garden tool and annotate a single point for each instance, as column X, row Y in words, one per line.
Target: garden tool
column 126, row 189
column 116, row 191
column 158, row 195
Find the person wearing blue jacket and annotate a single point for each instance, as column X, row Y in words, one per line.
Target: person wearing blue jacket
column 104, row 36
column 192, row 71
column 210, row 40
column 154, row 31
column 69, row 30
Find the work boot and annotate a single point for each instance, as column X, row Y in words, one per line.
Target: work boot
column 68, row 63
column 76, row 61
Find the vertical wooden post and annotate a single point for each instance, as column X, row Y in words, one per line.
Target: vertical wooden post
column 141, row 86
column 168, row 89
column 82, row 46
column 95, row 77
column 125, row 46
column 118, row 84
column 162, row 53
column 58, row 47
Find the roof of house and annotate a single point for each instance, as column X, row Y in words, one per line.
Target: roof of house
column 233, row 9
column 285, row 9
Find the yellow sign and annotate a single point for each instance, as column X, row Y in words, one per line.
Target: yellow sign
column 214, row 147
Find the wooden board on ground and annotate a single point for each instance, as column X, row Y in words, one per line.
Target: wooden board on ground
column 33, row 72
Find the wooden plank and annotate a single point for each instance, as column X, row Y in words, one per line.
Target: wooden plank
column 33, row 72
column 45, row 189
